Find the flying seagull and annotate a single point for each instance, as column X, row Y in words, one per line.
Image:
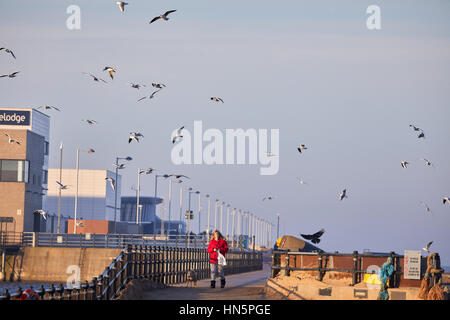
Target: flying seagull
column 11, row 140
column 159, row 85
column 137, row 134
column 112, row 183
column 301, row 147
column 136, row 85
column 178, row 176
column 111, row 71
column 133, row 137
column 343, row 194
column 301, row 181
column 426, row 207
column 79, row 224
column 415, row 128
column 427, row 162
column 164, row 16
column 42, row 213
column 150, row 96
column 119, row 166
column 404, row 164
column 427, row 247
column 446, row 199
column 121, row 5
column 8, row 51
column 315, row 238
column 215, row 99
column 62, row 186
column 91, row 122
column 268, row 198
column 146, row 171
column 177, row 135
column 95, row 78
column 12, row 75
column 49, row 107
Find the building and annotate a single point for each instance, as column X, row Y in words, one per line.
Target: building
column 96, row 197
column 24, row 151
column 148, row 219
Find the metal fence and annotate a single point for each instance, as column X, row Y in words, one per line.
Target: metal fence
column 166, row 265
column 69, row 240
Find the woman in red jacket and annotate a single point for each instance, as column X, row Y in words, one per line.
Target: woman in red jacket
column 216, row 245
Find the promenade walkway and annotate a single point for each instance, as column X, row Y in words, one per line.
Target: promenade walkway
column 243, row 286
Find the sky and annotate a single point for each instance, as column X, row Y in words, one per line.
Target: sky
column 311, row 69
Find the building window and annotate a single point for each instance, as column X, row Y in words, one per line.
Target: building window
column 14, row 170
column 44, row 177
column 46, row 148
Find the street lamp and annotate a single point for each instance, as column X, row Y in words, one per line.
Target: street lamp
column 117, row 185
column 215, row 214
column 138, row 191
column 90, row 151
column 189, row 210
column 170, row 199
column 209, row 213
column 156, row 192
column 278, row 225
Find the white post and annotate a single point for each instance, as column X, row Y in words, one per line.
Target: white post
column 215, row 215
column 221, row 215
column 76, row 192
column 228, row 220
column 199, row 211
column 181, row 203
column 138, row 194
column 209, row 214
column 232, row 225
column 170, row 204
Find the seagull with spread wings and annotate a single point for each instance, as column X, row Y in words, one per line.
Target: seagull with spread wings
column 111, row 71
column 90, row 122
column 62, row 186
column 216, row 99
column 8, row 51
column 11, row 140
column 136, row 85
column 150, row 96
column 301, row 147
column 177, row 135
column 404, row 164
column 111, row 182
column 427, row 247
column 164, row 16
column 49, row 108
column 11, row 75
column 314, row 238
column 42, row 213
column 133, row 137
column 158, row 85
column 178, row 176
column 121, row 5
column 95, row 78
column 343, row 194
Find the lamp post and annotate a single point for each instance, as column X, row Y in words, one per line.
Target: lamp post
column 221, row 215
column 278, row 225
column 228, row 219
column 199, row 211
column 156, row 193
column 215, row 214
column 170, row 201
column 138, row 191
column 117, row 187
column 60, row 181
column 209, row 213
column 189, row 220
column 233, row 214
column 90, row 151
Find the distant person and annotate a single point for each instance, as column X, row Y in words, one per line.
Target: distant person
column 277, row 243
column 216, row 245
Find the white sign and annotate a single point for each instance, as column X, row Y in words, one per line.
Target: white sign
column 411, row 264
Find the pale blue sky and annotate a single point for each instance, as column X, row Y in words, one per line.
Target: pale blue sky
column 309, row 68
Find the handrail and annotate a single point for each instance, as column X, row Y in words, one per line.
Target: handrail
column 162, row 264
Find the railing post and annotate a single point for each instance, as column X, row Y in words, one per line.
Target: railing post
column 355, row 268
column 94, row 289
column 319, row 268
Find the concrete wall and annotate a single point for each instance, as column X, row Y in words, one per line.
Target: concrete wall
column 45, row 264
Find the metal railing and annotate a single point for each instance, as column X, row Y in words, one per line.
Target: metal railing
column 356, row 271
column 166, row 265
column 70, row 240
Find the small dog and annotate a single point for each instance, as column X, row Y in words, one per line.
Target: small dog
column 191, row 279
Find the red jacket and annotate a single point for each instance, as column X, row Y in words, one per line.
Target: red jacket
column 221, row 245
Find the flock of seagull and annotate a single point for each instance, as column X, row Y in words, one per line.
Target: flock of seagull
column 136, row 136
column 315, row 237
